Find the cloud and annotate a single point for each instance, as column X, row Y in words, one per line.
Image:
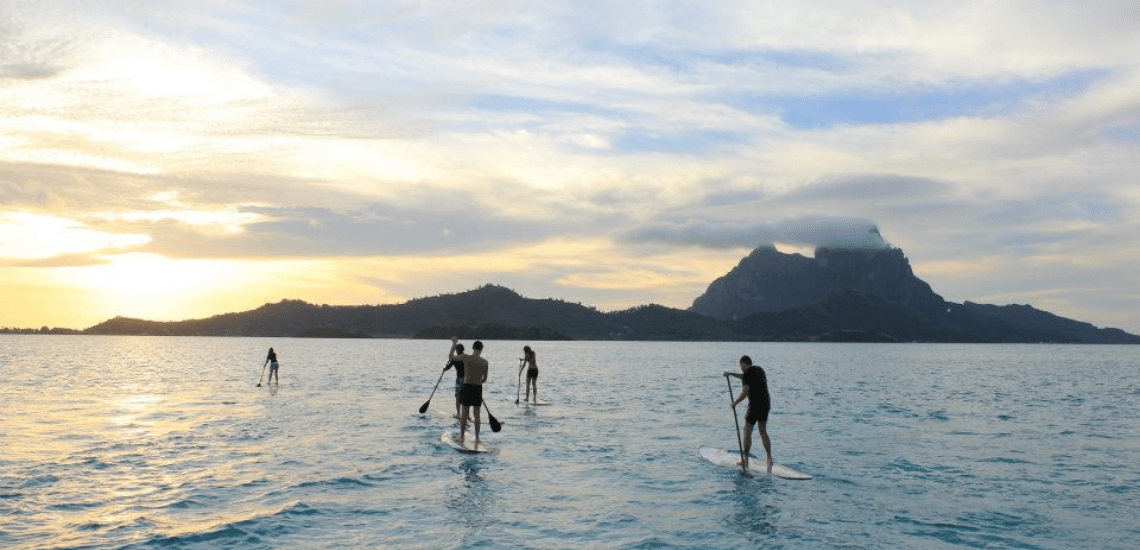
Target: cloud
column 417, row 130
column 817, row 232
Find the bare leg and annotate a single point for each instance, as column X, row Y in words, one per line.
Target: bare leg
column 463, row 422
column 763, row 429
column 747, row 442
column 477, row 422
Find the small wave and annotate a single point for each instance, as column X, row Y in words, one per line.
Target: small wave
column 1004, row 460
column 907, row 466
column 339, row 482
column 236, row 534
column 186, row 503
column 226, row 536
column 977, row 530
column 39, row 481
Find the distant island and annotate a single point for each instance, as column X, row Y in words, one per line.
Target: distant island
column 840, row 295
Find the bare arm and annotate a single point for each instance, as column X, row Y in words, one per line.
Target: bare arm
column 743, row 395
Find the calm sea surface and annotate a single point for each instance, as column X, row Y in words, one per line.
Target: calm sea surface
column 136, row 442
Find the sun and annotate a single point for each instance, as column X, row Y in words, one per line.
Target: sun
column 151, row 285
column 149, row 274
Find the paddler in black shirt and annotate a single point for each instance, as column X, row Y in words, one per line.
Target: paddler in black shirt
column 755, row 388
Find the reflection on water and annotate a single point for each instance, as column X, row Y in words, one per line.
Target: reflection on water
column 473, row 498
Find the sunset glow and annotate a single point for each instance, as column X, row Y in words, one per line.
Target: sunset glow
column 171, row 160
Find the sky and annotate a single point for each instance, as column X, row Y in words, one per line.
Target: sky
column 176, row 160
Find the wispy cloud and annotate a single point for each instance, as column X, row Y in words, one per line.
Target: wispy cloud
column 518, row 139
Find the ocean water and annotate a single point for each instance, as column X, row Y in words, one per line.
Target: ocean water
column 145, row 443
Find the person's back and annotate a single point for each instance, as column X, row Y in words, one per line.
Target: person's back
column 474, row 369
column 757, row 382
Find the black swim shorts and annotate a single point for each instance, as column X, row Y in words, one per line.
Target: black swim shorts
column 757, row 415
column 532, row 373
column 472, row 395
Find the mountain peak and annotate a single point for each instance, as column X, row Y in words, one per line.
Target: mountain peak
column 769, row 280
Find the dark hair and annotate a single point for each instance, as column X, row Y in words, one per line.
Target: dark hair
column 746, row 359
column 477, row 345
column 459, row 348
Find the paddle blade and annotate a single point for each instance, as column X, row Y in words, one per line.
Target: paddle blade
column 423, row 408
column 495, row 426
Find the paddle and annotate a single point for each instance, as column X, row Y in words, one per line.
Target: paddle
column 739, row 443
column 423, row 408
column 262, row 375
column 495, row 426
column 518, row 387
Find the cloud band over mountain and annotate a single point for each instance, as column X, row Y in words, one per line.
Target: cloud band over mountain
column 817, row 232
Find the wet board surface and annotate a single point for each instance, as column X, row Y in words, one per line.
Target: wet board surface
column 468, row 446
column 731, row 459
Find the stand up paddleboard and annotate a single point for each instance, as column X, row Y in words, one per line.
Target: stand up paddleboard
column 539, row 403
column 448, row 415
column 468, row 446
column 731, row 459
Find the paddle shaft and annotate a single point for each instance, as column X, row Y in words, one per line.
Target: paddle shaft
column 424, row 407
column 262, row 375
column 518, row 387
column 739, row 442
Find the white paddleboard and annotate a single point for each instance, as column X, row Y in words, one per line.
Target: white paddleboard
column 468, row 446
column 731, row 459
column 522, row 401
column 447, row 414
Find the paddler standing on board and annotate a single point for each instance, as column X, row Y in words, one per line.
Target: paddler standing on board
column 271, row 360
column 755, row 388
column 458, row 379
column 530, row 363
column 474, row 375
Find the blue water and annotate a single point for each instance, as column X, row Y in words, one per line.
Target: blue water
column 136, row 442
